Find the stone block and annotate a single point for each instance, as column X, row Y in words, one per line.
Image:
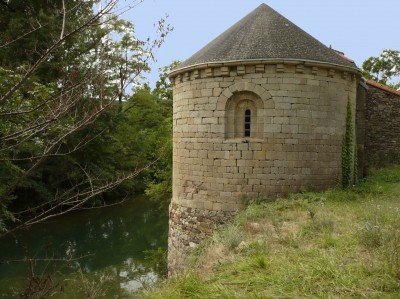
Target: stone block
column 208, row 72
column 225, row 71
column 260, row 68
column 241, row 70
column 292, row 129
column 242, row 146
column 207, row 93
column 300, row 68
column 313, row 82
column 217, row 206
column 255, row 146
column 280, row 68
column 230, row 162
column 247, row 155
column 250, row 69
column 245, row 169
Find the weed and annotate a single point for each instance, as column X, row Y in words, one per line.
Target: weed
column 260, row 262
column 391, row 252
column 328, row 240
column 255, row 211
column 370, row 235
column 95, row 288
column 248, row 201
column 318, row 226
column 285, row 204
column 289, row 240
column 190, row 285
column 323, row 225
column 257, row 248
column 230, row 236
column 311, row 214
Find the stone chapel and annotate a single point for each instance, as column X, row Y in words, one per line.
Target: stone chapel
column 261, row 112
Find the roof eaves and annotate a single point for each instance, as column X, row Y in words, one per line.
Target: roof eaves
column 177, row 71
column 382, row 87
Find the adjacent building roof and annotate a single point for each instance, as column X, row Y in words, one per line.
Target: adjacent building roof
column 382, row 87
column 264, row 34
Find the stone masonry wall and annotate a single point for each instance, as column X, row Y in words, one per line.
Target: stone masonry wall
column 301, row 114
column 188, row 226
column 382, row 137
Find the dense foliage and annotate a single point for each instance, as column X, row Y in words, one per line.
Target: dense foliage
column 70, row 130
column 384, row 69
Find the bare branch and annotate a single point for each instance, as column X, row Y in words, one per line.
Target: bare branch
column 74, row 202
column 63, row 22
column 21, row 36
column 25, row 260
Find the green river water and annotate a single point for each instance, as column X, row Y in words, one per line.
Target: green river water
column 105, row 247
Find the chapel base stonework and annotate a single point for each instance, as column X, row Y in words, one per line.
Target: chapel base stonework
column 188, row 227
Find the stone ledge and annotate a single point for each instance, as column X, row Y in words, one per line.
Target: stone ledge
column 227, row 69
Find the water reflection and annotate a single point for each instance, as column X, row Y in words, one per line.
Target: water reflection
column 112, row 240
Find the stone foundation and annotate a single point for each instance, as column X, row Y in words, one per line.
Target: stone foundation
column 187, row 228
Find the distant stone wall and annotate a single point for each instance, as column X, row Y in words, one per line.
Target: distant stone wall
column 360, row 129
column 297, row 115
column 382, row 134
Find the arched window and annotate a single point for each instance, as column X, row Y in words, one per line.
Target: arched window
column 247, row 123
column 244, row 116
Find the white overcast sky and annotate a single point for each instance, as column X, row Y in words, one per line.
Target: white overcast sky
column 358, row 28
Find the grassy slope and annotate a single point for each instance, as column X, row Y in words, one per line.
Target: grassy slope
column 335, row 244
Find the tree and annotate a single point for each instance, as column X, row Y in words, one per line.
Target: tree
column 57, row 97
column 163, row 89
column 384, row 69
column 159, row 183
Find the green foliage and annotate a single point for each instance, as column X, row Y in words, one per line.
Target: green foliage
column 152, row 124
column 32, row 27
column 163, row 88
column 387, row 175
column 69, row 131
column 384, row 68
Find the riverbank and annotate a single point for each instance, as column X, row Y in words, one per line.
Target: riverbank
column 334, row 244
column 93, row 253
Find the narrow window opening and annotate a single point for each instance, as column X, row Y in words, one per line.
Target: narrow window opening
column 247, row 122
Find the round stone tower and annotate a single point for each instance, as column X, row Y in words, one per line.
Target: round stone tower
column 259, row 112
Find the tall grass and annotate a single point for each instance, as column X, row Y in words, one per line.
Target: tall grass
column 334, row 244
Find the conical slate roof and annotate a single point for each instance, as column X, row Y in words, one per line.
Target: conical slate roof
column 264, row 34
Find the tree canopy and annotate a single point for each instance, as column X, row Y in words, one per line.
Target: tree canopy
column 70, row 130
column 384, row 69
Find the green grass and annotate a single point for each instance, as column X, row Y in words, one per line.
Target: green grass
column 334, row 244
